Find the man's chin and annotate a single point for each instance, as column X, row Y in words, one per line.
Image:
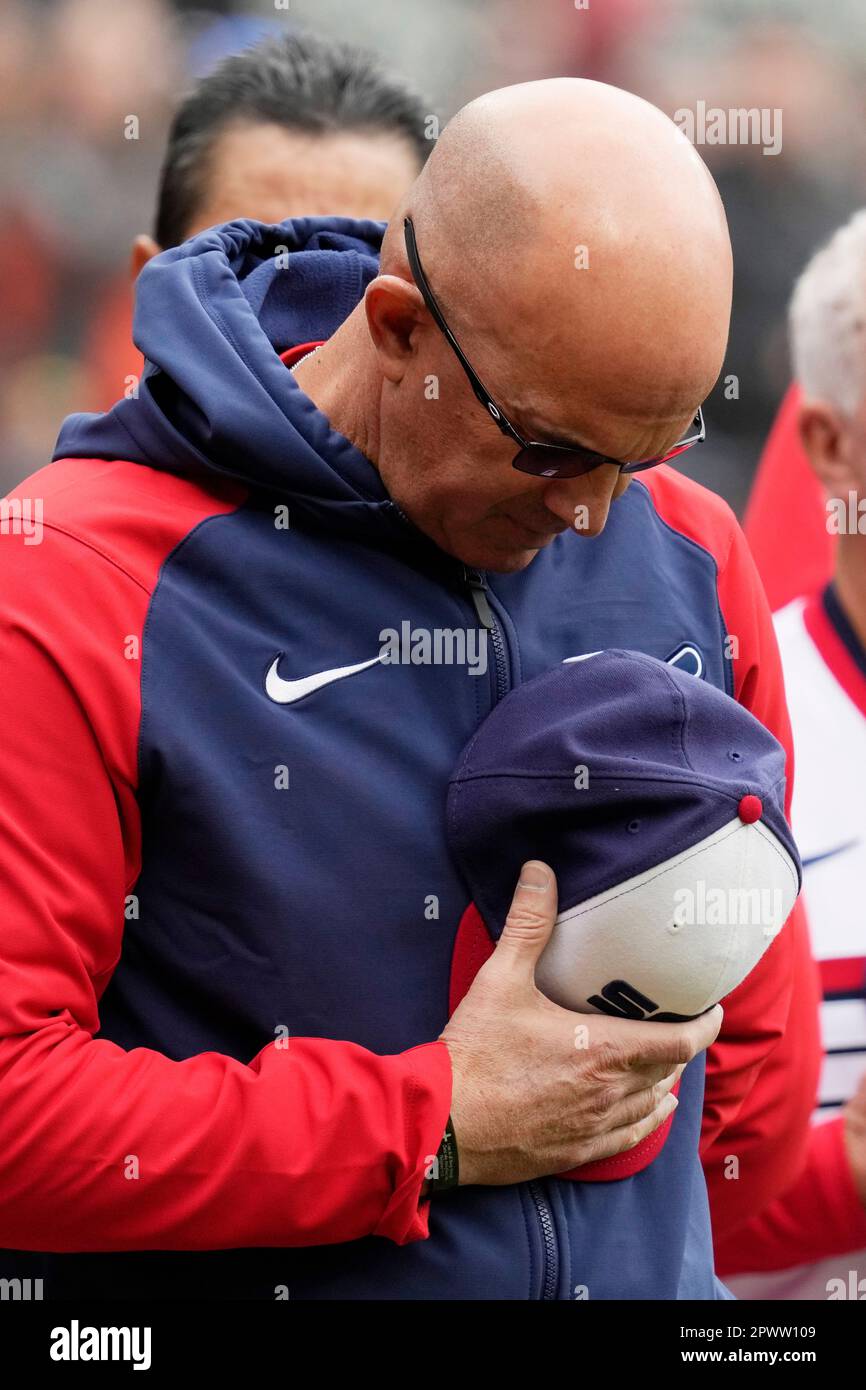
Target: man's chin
column 500, row 550
column 513, row 562
column 499, row 559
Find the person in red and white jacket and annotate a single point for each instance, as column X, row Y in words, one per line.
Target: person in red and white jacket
column 811, row 1241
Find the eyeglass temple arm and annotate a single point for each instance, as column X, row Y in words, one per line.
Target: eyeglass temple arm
column 475, row 381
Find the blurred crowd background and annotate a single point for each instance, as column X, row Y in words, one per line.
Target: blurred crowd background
column 76, row 189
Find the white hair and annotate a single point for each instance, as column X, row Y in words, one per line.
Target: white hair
column 827, row 319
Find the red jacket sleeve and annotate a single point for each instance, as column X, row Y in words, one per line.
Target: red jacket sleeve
column 762, row 1074
column 102, row 1149
column 762, row 1070
column 819, row 1216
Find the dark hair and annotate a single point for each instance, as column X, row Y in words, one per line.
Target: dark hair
column 298, row 81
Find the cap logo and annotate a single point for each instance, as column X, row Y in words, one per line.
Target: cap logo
column 687, row 658
column 622, row 1000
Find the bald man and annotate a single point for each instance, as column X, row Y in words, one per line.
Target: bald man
column 272, row 599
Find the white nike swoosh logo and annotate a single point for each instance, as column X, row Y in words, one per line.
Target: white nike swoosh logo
column 287, row 692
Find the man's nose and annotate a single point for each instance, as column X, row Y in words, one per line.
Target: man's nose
column 584, row 502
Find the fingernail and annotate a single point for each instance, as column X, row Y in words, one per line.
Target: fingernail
column 533, row 876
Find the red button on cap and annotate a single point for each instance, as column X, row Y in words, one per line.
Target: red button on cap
column 750, row 809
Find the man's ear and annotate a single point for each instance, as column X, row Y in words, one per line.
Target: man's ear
column 144, row 248
column 394, row 308
column 827, row 439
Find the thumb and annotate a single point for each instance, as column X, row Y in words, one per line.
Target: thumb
column 529, row 922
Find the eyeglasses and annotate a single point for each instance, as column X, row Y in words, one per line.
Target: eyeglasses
column 542, row 460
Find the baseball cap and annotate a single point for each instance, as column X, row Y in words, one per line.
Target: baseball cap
column 658, row 801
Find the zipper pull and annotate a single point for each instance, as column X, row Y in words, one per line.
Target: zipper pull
column 478, row 587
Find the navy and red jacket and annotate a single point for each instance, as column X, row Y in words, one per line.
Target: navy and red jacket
column 227, row 923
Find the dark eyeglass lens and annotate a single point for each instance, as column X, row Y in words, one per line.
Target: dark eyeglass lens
column 549, row 463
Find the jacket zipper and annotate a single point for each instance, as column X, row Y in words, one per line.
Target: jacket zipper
column 548, row 1235
column 477, row 582
column 478, row 588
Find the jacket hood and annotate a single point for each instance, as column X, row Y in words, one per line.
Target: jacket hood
column 211, row 318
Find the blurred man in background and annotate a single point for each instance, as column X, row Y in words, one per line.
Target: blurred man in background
column 807, row 1237
column 293, row 127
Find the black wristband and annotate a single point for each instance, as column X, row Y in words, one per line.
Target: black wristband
column 445, row 1166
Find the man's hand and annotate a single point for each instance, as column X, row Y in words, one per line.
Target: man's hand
column 538, row 1089
column 855, row 1137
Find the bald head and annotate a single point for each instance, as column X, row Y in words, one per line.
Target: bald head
column 577, row 243
column 578, row 249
